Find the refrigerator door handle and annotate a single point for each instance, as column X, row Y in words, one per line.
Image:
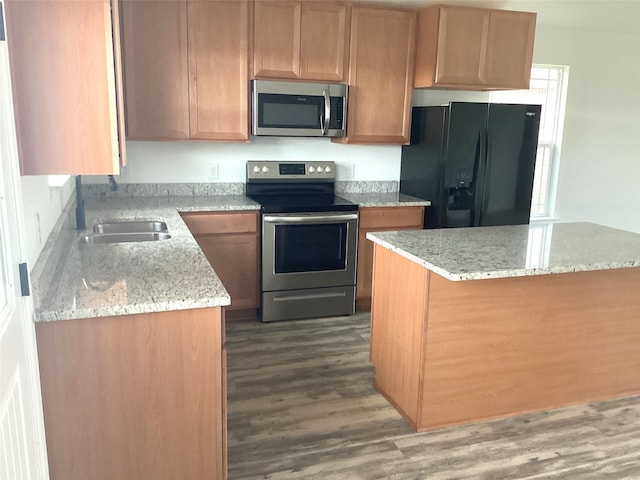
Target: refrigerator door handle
column 486, row 177
column 481, row 179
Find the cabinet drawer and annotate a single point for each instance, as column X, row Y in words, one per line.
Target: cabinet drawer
column 376, row 217
column 202, row 223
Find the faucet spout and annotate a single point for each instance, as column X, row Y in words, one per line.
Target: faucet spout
column 112, row 183
column 80, row 214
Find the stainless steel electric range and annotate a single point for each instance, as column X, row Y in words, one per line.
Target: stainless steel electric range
column 309, row 240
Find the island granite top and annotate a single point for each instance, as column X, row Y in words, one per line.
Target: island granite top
column 516, row 250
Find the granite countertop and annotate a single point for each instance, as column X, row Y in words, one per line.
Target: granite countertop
column 98, row 280
column 75, row 280
column 516, row 250
column 384, row 199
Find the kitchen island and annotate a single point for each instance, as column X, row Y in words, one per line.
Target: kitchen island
column 478, row 323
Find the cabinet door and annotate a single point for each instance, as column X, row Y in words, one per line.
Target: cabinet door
column 156, row 69
column 62, row 70
column 323, row 45
column 218, row 69
column 235, row 260
column 381, row 64
column 98, row 375
column 510, row 49
column 374, row 219
column 276, row 51
column 462, row 41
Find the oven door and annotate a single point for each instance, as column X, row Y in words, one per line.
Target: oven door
column 308, row 250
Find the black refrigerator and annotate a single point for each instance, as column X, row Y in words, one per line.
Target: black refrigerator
column 474, row 162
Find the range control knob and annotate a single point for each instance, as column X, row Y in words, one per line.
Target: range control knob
column 327, row 169
column 312, row 169
column 256, row 169
column 265, row 169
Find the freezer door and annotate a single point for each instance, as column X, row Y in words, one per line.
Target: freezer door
column 421, row 163
column 511, row 144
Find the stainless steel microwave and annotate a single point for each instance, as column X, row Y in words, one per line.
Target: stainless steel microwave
column 298, row 109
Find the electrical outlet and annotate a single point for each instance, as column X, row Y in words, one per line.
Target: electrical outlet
column 212, row 171
column 346, row 171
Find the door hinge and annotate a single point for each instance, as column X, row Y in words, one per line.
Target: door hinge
column 24, row 280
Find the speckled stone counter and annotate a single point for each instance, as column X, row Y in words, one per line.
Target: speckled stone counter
column 97, row 280
column 72, row 280
column 549, row 317
column 514, row 251
column 383, row 199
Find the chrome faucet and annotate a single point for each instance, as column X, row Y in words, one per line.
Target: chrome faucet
column 112, row 183
column 80, row 217
column 80, row 213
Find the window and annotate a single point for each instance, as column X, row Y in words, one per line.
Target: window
column 548, row 88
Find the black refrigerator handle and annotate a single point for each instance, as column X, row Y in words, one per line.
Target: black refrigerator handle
column 479, row 203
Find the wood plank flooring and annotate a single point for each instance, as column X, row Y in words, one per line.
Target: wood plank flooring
column 301, row 406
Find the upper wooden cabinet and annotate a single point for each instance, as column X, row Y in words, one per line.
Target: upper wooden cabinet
column 186, row 69
column 301, row 40
column 64, row 71
column 218, row 34
column 381, row 69
column 156, row 60
column 474, row 48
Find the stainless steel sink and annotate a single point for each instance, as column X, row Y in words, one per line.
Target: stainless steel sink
column 130, row 226
column 124, row 237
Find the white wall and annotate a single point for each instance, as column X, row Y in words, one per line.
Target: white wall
column 599, row 177
column 42, row 206
column 189, row 162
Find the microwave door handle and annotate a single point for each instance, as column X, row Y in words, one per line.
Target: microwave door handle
column 327, row 113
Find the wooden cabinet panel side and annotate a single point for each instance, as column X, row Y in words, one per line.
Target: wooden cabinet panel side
column 508, row 346
column 65, row 122
column 136, row 396
column 398, row 321
column 235, row 259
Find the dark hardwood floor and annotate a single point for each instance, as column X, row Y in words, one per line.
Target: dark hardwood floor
column 302, row 406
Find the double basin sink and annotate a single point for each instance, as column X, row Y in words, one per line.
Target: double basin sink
column 121, row 231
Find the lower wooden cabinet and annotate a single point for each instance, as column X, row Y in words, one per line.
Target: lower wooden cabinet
column 135, row 396
column 378, row 219
column 230, row 241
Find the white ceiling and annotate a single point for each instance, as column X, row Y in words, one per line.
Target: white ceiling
column 597, row 15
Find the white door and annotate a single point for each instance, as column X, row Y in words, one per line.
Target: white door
column 22, row 446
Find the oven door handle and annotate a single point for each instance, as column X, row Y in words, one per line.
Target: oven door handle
column 310, row 218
